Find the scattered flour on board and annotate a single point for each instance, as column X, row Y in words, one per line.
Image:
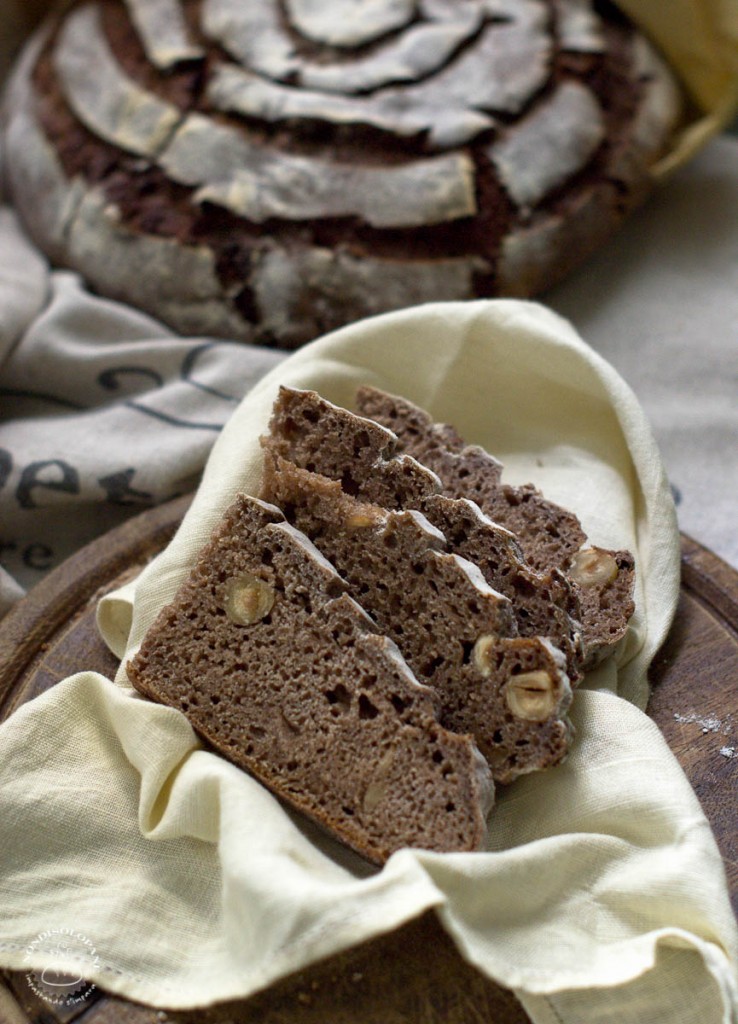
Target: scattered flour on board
column 711, row 723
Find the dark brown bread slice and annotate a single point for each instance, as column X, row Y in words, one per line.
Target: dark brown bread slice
column 286, row 676
column 455, row 632
column 551, row 537
column 316, row 435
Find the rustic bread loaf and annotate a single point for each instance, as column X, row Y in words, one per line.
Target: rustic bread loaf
column 314, row 434
column 269, row 170
column 285, row 675
column 456, row 633
column 550, row 536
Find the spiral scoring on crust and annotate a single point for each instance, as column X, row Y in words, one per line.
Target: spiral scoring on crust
column 372, row 120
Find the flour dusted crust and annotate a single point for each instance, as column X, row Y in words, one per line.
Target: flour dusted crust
column 162, row 29
column 318, row 162
column 315, row 280
column 75, row 224
column 529, row 158
column 285, row 675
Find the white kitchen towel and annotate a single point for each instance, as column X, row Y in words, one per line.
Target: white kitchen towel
column 601, row 894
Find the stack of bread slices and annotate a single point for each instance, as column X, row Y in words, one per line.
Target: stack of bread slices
column 389, row 629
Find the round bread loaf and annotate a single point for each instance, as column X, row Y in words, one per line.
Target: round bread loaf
column 271, row 169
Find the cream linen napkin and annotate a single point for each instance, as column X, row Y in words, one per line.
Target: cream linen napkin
column 601, row 896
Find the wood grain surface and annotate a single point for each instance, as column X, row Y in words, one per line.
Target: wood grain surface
column 413, row 975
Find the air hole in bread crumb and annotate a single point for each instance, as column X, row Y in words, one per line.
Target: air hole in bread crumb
column 399, row 704
column 339, row 695
column 433, row 666
column 289, row 428
column 349, row 485
column 361, row 441
column 366, row 709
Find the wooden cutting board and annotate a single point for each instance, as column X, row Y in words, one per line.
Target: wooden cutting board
column 414, row 975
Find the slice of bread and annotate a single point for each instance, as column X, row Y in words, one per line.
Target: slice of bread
column 551, row 537
column 314, row 434
column 456, row 632
column 284, row 674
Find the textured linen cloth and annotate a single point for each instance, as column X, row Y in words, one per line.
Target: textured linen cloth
column 598, row 897
column 102, row 410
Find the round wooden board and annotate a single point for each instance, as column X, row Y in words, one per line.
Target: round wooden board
column 413, row 975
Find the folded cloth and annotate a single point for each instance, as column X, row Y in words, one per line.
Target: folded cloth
column 601, row 894
column 103, row 411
